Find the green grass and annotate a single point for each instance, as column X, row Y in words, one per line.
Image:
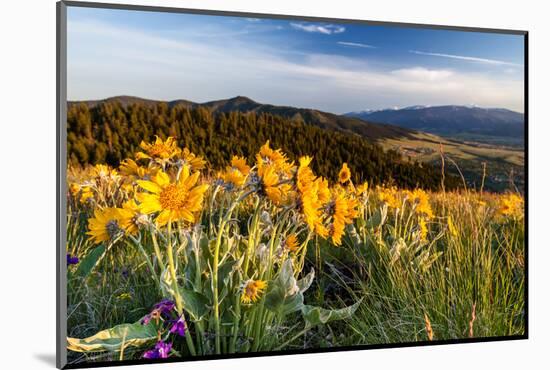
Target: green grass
column 482, row 265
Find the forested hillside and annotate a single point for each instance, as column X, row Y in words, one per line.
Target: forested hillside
column 110, row 131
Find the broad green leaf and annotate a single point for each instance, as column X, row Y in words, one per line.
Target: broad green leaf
column 292, row 304
column 316, row 315
column 277, row 302
column 166, row 286
column 131, row 335
column 285, row 294
column 194, row 303
column 286, row 278
column 274, row 298
column 305, row 283
column 88, row 263
column 226, row 270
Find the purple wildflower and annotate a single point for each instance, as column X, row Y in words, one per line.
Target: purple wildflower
column 71, row 260
column 165, row 306
column 161, row 350
column 178, row 327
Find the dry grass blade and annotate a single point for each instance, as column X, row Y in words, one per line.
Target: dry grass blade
column 429, row 330
column 471, row 332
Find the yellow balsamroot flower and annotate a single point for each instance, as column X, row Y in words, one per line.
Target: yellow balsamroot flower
column 274, row 171
column 323, row 190
column 511, row 205
column 129, row 167
column 310, row 204
column 389, row 197
column 233, row 177
column 74, row 188
column 271, row 186
column 422, row 201
column 160, row 149
column 104, row 226
column 105, row 172
column 304, row 175
column 190, row 159
column 130, row 217
column 361, row 190
column 291, row 243
column 173, row 201
column 313, row 194
column 237, row 173
column 273, row 158
column 239, row 163
column 345, row 174
column 87, row 193
column 252, row 291
column 344, row 211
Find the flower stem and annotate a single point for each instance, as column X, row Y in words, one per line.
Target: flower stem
column 249, row 251
column 156, row 246
column 215, row 267
column 260, row 322
column 147, row 259
column 177, row 296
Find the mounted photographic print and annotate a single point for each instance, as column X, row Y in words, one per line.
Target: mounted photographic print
column 235, row 185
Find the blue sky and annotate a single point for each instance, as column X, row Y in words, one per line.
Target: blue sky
column 334, row 67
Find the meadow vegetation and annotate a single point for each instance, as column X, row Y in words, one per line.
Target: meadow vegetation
column 171, row 256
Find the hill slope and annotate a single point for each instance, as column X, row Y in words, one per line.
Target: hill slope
column 370, row 130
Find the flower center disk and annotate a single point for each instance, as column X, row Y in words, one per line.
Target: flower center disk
column 173, row 197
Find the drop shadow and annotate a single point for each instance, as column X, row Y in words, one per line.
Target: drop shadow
column 46, row 358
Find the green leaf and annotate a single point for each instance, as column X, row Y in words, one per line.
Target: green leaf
column 274, row 298
column 285, row 294
column 305, row 283
column 286, row 276
column 292, row 304
column 316, row 315
column 88, row 263
column 276, row 301
column 131, row 335
column 194, row 303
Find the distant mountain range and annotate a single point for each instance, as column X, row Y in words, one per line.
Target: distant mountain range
column 450, row 120
column 362, row 127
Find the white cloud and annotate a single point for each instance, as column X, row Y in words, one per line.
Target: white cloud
column 467, row 58
column 356, row 44
column 421, row 73
column 327, row 29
